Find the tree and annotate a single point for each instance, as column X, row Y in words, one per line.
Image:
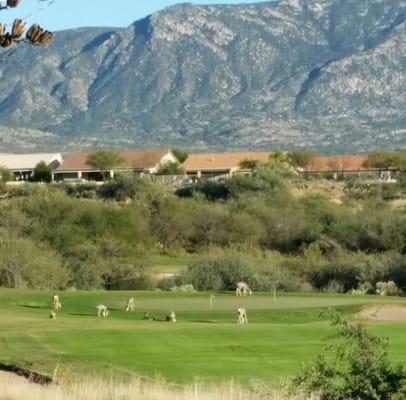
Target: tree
column 181, row 155
column 34, row 35
column 170, row 168
column 356, row 367
column 301, row 158
column 5, row 175
column 24, row 264
column 380, row 160
column 42, row 172
column 386, row 159
column 249, row 164
column 105, row 161
column 278, row 156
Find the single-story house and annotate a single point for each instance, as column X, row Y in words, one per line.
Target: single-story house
column 23, row 165
column 344, row 165
column 222, row 164
column 142, row 161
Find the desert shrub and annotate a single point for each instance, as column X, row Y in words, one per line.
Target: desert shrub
column 122, row 187
column 363, row 288
column 363, row 190
column 386, row 159
column 188, row 288
column 5, row 175
column 278, row 279
column 209, row 189
column 24, row 264
column 285, row 229
column 337, row 269
column 82, row 190
column 355, row 367
column 239, row 184
column 170, row 222
column 216, row 272
column 301, row 158
column 171, row 281
column 395, row 269
column 387, row 288
column 374, row 228
column 171, row 168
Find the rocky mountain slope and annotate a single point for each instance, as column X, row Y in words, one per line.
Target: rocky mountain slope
column 328, row 74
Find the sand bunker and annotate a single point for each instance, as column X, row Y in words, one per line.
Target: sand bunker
column 385, row 312
column 11, row 378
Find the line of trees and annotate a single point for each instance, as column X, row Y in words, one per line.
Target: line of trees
column 306, row 243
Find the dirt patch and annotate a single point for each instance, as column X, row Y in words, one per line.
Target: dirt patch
column 385, row 312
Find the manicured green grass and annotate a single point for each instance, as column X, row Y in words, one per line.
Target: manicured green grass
column 204, row 344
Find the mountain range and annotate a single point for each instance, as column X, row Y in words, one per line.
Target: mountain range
column 323, row 74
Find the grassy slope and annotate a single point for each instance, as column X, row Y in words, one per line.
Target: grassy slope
column 205, row 343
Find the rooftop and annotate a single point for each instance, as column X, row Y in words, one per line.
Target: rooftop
column 138, row 159
column 222, row 161
column 28, row 161
column 337, row 163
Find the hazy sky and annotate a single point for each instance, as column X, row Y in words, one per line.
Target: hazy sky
column 63, row 14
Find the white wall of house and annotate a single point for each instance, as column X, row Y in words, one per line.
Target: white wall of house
column 169, row 157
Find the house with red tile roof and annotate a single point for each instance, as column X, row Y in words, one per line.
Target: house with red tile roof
column 143, row 161
column 221, row 164
column 345, row 165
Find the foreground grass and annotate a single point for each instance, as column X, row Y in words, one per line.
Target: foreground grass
column 18, row 389
column 205, row 345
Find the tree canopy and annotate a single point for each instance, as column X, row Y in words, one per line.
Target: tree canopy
column 105, row 161
column 42, row 172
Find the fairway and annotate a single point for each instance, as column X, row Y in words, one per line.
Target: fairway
column 205, row 344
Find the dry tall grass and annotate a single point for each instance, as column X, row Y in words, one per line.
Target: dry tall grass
column 16, row 388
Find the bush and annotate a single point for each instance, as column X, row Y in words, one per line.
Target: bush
column 171, row 168
column 211, row 190
column 5, row 175
column 42, row 173
column 387, row 288
column 188, row 288
column 217, row 272
column 122, row 187
column 356, row 367
column 82, row 191
column 24, row 264
column 169, row 282
column 301, row 158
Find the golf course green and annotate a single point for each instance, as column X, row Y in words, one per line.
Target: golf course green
column 205, row 344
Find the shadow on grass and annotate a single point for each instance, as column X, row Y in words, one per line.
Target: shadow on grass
column 82, row 315
column 201, row 321
column 30, row 306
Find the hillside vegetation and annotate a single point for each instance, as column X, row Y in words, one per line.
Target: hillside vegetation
column 270, row 229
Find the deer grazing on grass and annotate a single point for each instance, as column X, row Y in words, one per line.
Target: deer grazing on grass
column 130, row 304
column 243, row 289
column 102, row 311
